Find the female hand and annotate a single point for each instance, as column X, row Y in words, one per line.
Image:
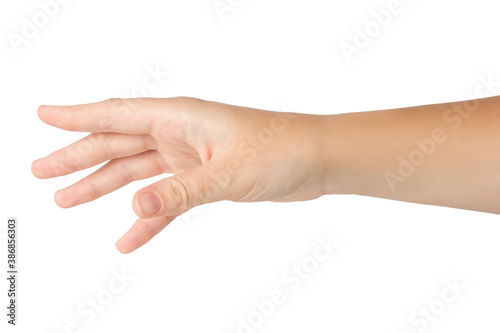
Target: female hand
column 214, row 151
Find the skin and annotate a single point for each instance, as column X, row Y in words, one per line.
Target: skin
column 219, row 152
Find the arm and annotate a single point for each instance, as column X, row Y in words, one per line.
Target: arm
column 444, row 154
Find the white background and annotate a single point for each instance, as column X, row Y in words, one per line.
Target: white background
column 207, row 268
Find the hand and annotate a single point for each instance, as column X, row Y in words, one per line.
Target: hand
column 214, row 151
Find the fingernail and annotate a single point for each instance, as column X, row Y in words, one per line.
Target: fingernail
column 149, row 203
column 43, row 108
column 38, row 160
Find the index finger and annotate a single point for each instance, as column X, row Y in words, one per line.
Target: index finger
column 128, row 116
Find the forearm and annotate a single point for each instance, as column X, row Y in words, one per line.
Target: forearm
column 443, row 154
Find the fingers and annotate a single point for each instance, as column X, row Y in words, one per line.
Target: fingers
column 141, row 232
column 129, row 116
column 177, row 194
column 110, row 177
column 89, row 151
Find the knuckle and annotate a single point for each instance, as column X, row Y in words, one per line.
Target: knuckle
column 84, row 147
column 127, row 174
column 184, row 101
column 116, row 109
column 97, row 138
column 72, row 159
column 114, row 101
column 93, row 191
column 176, row 195
column 105, row 123
column 107, row 142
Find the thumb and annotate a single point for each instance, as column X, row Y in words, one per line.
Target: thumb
column 177, row 194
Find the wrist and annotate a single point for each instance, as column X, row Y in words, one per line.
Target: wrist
column 316, row 144
column 332, row 154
